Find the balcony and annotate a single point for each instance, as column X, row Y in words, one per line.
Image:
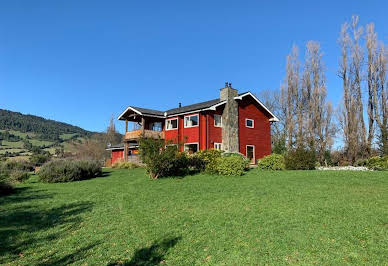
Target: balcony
column 136, row 134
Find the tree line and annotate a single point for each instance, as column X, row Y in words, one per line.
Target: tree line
column 44, row 128
column 308, row 119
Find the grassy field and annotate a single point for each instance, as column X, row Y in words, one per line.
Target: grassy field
column 290, row 217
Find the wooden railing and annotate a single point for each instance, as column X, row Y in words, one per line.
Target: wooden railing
column 147, row 133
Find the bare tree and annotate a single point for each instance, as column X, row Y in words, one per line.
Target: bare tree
column 351, row 72
column 372, row 76
column 380, row 95
column 290, row 97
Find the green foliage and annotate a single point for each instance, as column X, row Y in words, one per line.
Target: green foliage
column 271, row 162
column 378, row 163
column 361, row 162
column 162, row 161
column 15, row 171
column 18, row 176
column 39, row 159
column 231, row 165
column 206, row 160
column 279, row 146
column 69, row 170
column 9, row 137
column 300, row 159
column 45, row 129
column 125, row 165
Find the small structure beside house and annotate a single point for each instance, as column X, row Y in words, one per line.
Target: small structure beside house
column 234, row 122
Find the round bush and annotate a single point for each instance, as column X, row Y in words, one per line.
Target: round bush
column 300, row 159
column 231, row 165
column 271, row 162
column 378, row 163
column 68, row 171
column 18, row 176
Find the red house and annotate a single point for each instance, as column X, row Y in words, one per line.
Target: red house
column 234, row 122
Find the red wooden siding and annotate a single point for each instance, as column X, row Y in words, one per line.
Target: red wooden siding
column 117, row 155
column 260, row 135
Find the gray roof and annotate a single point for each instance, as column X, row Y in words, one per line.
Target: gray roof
column 193, row 107
column 146, row 111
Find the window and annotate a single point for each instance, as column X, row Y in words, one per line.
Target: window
column 249, row 123
column 156, row 126
column 217, row 146
column 191, row 121
column 217, row 120
column 172, row 124
column 191, row 147
column 251, row 153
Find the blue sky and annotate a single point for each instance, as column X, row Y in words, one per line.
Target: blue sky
column 82, row 61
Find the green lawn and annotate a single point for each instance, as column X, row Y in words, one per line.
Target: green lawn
column 289, row 217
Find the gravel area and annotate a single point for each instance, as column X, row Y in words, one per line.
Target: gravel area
column 344, row 168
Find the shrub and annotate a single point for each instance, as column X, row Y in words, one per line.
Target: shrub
column 378, row 163
column 68, row 170
column 125, row 165
column 18, row 176
column 361, row 162
column 5, row 188
column 206, row 160
column 271, row 162
column 300, row 159
column 17, row 165
column 39, row 159
column 231, row 165
column 162, row 161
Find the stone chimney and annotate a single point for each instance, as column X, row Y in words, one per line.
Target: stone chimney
column 230, row 138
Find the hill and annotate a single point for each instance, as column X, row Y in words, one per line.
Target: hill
column 19, row 133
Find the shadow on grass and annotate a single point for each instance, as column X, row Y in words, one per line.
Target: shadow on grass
column 152, row 255
column 25, row 223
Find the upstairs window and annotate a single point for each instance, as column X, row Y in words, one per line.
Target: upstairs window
column 191, row 121
column 217, row 120
column 249, row 123
column 172, row 124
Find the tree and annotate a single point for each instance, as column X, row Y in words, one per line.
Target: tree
column 352, row 116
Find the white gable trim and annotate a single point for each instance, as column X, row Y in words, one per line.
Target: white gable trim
column 273, row 119
column 138, row 112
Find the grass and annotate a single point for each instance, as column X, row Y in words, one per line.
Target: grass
column 289, row 217
column 12, row 144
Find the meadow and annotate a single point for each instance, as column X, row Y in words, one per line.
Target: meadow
column 283, row 217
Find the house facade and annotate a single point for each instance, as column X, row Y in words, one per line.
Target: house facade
column 235, row 122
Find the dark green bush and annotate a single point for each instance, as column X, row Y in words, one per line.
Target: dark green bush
column 161, row 160
column 378, row 163
column 69, row 170
column 271, row 162
column 39, row 159
column 361, row 162
column 231, row 165
column 300, row 159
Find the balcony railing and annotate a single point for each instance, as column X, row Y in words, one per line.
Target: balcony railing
column 147, row 133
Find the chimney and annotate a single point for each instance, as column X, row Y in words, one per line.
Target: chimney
column 230, row 137
column 180, row 105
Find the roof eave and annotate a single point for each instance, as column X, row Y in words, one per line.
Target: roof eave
column 273, row 119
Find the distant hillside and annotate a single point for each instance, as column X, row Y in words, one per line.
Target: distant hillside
column 44, row 129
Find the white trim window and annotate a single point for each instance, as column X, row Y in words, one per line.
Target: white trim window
column 191, row 147
column 250, row 153
column 217, row 120
column 172, row 124
column 249, row 123
column 217, row 146
column 191, row 121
